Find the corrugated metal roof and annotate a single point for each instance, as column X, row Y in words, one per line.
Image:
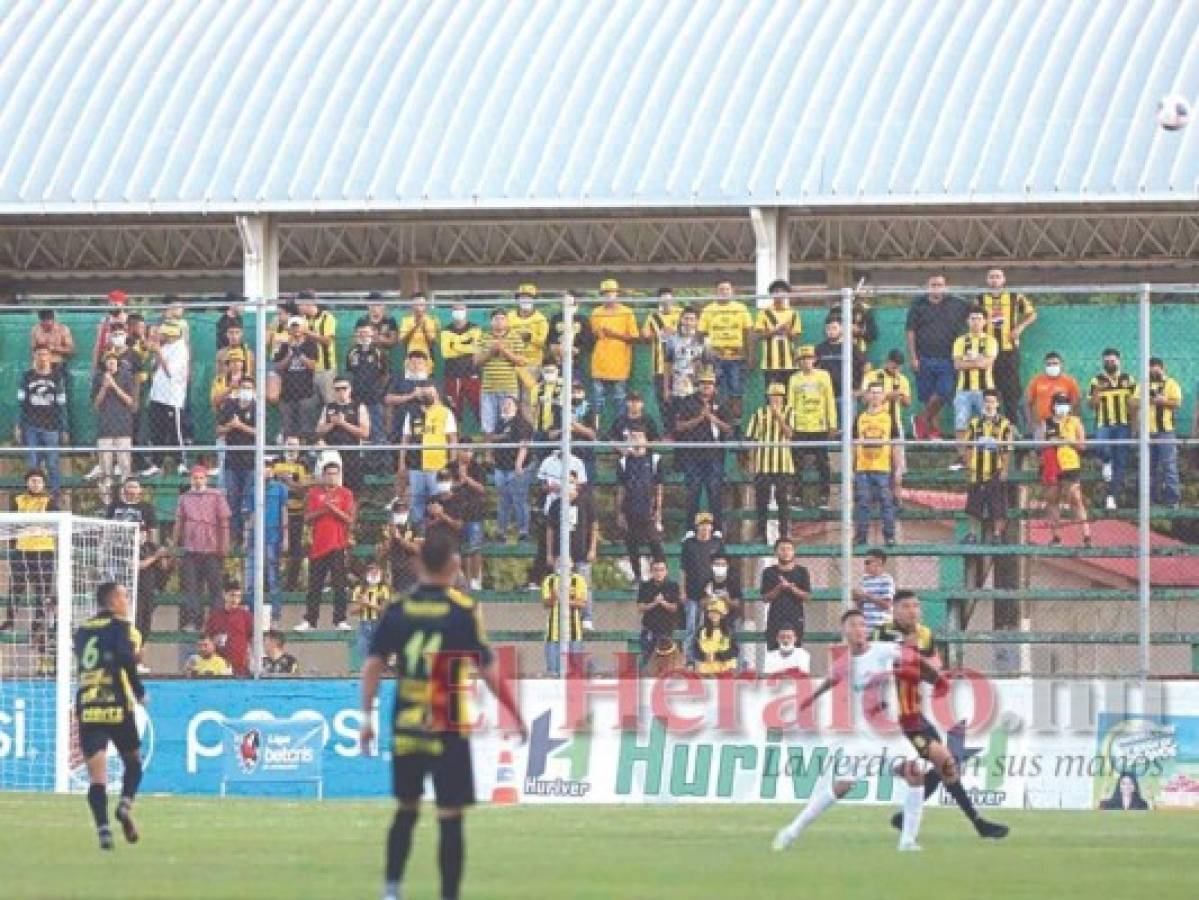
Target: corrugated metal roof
column 192, row 105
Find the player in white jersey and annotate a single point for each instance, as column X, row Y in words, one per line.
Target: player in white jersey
column 868, row 668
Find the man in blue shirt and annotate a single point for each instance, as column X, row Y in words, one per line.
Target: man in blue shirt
column 276, row 543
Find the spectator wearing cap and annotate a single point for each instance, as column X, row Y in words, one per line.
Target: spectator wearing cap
column 583, row 525
column 235, row 345
column 772, row 427
column 934, row 321
column 369, row 367
column 660, row 325
column 346, row 423
column 810, row 396
column 427, row 431
column 897, row 394
column 727, row 325
column 470, row 490
column 716, row 648
column 116, row 313
column 784, row 587
column 1008, row 315
column 331, row 512
column 42, row 398
column 201, row 536
column 532, row 327
column 513, row 470
column 614, row 327
column 322, row 328
column 777, row 327
column 696, row 553
column 296, row 356
column 236, row 426
column 461, row 341
column 830, row 351
column 873, row 432
column 1165, row 404
column 500, row 357
column 384, row 328
column 418, row 328
column 700, row 419
column 974, row 358
column 639, row 501
column 168, row 397
column 659, row 601
column 114, row 399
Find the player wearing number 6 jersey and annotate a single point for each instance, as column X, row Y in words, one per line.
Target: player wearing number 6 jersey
column 106, row 650
column 437, row 639
column 867, row 668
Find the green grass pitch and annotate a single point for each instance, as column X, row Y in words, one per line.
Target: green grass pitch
column 210, row 849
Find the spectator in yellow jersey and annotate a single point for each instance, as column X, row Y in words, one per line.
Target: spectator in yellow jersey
column 32, row 564
column 533, row 328
column 1110, row 396
column 292, row 471
column 659, row 326
column 500, row 357
column 778, row 326
column 206, row 662
column 460, row 341
column 872, row 432
column 418, row 329
column 1008, row 316
column 368, row 601
column 1061, row 466
column 773, row 427
column 1165, row 404
column 897, row 394
column 716, row 648
column 322, row 328
column 426, row 432
column 973, row 359
column 810, row 397
column 577, row 600
column 614, row 329
column 726, row 324
column 989, row 439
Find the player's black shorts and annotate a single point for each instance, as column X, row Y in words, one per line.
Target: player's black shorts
column 921, row 736
column 94, row 738
column 453, row 776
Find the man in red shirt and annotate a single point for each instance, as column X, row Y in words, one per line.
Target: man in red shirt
column 231, row 628
column 329, row 512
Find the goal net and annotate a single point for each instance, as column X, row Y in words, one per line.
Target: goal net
column 50, row 567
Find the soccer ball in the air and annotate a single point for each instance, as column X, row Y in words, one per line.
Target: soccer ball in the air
column 1173, row 112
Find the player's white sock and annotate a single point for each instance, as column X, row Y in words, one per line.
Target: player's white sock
column 391, row 890
column 822, row 798
column 913, row 809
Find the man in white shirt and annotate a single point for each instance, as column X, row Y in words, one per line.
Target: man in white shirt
column 789, row 657
column 168, row 395
column 875, row 593
column 549, row 474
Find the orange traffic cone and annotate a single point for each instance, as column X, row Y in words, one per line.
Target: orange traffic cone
column 505, row 792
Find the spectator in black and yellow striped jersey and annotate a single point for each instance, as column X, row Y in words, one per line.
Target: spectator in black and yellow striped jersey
column 897, row 393
column 1110, row 394
column 370, row 598
column 660, row 325
column 989, row 438
column 810, row 395
column 1008, row 316
column 973, row 359
column 1165, row 398
column 577, row 600
column 500, row 358
column 772, row 427
column 778, row 326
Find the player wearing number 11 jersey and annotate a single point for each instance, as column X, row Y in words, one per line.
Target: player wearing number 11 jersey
column 436, row 637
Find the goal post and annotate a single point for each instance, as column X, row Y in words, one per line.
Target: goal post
column 50, row 567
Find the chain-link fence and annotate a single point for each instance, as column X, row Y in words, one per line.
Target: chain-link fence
column 984, row 448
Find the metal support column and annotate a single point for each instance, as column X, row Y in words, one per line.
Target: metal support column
column 772, row 249
column 565, row 442
column 260, row 262
column 846, row 414
column 1144, row 476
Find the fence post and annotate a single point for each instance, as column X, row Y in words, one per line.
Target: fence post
column 564, row 504
column 847, row 421
column 1144, row 572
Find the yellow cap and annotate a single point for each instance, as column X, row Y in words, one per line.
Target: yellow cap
column 609, row 285
column 776, row 390
column 528, row 289
column 807, row 350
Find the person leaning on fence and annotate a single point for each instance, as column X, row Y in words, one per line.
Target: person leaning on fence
column 873, row 430
column 778, row 327
column 772, row 427
column 974, row 358
column 1110, row 396
column 989, row 442
column 934, row 321
column 639, row 502
column 201, row 536
column 42, row 398
column 1165, row 403
column 368, row 602
column 659, row 601
column 1061, row 466
column 658, row 327
column 897, row 393
column 578, row 596
column 811, row 399
column 331, row 511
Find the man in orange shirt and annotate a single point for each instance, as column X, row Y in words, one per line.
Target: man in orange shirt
column 1041, row 390
column 614, row 327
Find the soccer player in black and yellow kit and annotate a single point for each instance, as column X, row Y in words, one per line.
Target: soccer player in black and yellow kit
column 906, row 628
column 436, row 637
column 106, row 653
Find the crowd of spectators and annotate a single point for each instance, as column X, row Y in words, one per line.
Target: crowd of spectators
column 385, row 418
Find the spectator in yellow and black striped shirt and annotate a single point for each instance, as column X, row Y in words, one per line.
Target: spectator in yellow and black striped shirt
column 777, row 327
column 1110, row 395
column 1165, row 398
column 1008, row 316
column 973, row 358
column 500, row 357
column 577, row 594
column 990, row 442
column 369, row 600
column 774, row 467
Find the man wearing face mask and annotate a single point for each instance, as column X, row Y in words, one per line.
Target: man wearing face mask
column 370, row 599
column 1061, row 467
column 1165, row 399
column 403, row 547
column 445, row 515
column 292, row 472
column 368, row 368
column 235, row 423
column 531, row 326
column 1053, row 380
column 1110, row 396
column 460, row 342
column 660, row 325
column 725, row 587
column 345, row 422
column 584, row 426
column 427, row 432
column 639, row 502
column 788, row 656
